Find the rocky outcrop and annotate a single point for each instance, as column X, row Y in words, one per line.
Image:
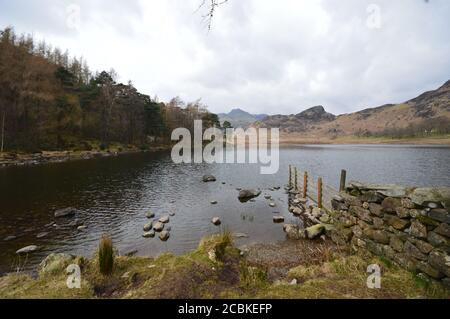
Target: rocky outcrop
column 247, row 194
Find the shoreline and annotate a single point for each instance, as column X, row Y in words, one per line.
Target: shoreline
column 10, row 159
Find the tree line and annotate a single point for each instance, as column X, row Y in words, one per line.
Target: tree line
column 51, row 101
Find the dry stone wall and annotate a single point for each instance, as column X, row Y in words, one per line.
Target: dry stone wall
column 409, row 226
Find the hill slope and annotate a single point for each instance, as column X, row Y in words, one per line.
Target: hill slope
column 425, row 115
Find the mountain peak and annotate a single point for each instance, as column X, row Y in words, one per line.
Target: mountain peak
column 316, row 113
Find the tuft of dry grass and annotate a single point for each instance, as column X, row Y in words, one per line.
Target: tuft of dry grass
column 106, row 256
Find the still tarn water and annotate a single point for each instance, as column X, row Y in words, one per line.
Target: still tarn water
column 115, row 193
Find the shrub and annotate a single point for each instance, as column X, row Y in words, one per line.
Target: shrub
column 106, row 255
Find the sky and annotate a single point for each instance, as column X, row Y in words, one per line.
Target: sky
column 264, row 56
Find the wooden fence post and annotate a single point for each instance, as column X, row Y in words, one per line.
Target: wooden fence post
column 305, row 185
column 319, row 192
column 296, row 178
column 290, row 177
column 343, row 180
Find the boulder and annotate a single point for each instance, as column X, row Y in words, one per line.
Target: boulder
column 209, row 178
column 158, row 227
column 298, row 211
column 214, row 202
column 164, row 235
column 278, row 219
column 164, row 219
column 150, row 215
column 148, row 227
column 216, row 221
column 272, row 204
column 247, row 194
column 149, row 234
column 315, row 231
column 27, row 250
column 378, row 236
column 293, row 232
column 66, row 212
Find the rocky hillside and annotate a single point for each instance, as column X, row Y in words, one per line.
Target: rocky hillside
column 240, row 118
column 427, row 114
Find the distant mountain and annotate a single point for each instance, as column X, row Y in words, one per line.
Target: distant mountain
column 429, row 112
column 240, row 118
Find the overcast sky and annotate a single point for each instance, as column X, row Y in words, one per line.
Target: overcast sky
column 265, row 56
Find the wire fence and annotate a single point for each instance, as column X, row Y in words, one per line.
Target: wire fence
column 315, row 188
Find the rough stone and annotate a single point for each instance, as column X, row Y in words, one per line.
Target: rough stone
column 440, row 215
column 298, row 211
column 422, row 196
column 407, row 203
column 66, row 212
column 418, row 230
column 164, row 235
column 396, row 222
column 402, row 212
column 376, row 209
column 443, row 229
column 390, row 204
column 372, row 197
column 430, row 271
column 378, row 236
column 440, row 261
column 164, row 219
column 315, row 231
column 216, row 221
column 413, row 251
column 278, row 219
column 150, row 215
column 362, row 213
column 148, row 227
column 55, row 263
column 27, row 250
column 396, row 243
column 209, row 178
column 158, row 227
column 378, row 223
column 293, row 232
column 247, row 194
column 338, row 206
column 439, row 241
column 423, row 246
column 149, row 234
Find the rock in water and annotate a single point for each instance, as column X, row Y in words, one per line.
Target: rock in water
column 273, row 205
column 66, row 212
column 278, row 219
column 149, row 234
column 9, row 238
column 41, row 235
column 164, row 219
column 209, row 178
column 216, row 221
column 148, row 227
column 214, row 202
column 164, row 236
column 246, row 194
column 150, row 215
column 27, row 250
column 315, row 231
column 158, row 227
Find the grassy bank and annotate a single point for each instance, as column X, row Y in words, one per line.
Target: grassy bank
column 217, row 269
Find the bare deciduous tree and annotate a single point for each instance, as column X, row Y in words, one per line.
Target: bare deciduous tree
column 211, row 6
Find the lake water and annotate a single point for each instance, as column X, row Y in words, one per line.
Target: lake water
column 115, row 193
